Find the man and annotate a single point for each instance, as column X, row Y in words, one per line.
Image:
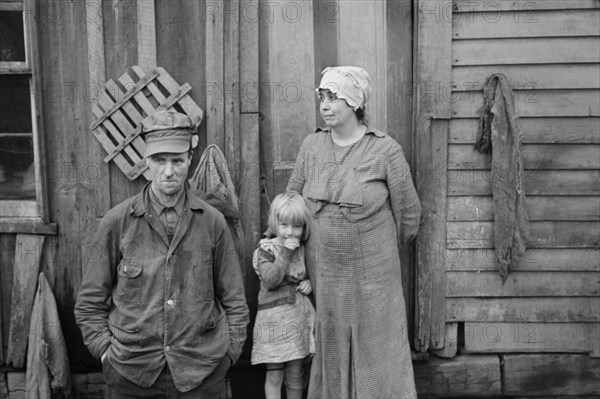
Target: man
column 162, row 304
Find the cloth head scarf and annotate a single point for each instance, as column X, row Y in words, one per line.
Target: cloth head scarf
column 353, row 84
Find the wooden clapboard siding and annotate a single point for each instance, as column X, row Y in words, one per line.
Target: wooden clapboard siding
column 7, row 259
column 536, row 130
column 535, row 103
column 529, row 77
column 542, row 235
column 522, row 284
column 537, row 182
column 525, row 51
column 526, row 310
column 511, row 24
column 535, row 156
column 551, row 375
column 531, row 337
column 522, row 6
column 540, row 208
column 534, row 260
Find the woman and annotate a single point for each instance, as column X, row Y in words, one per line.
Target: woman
column 358, row 187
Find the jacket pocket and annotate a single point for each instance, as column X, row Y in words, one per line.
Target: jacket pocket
column 129, row 284
column 203, row 280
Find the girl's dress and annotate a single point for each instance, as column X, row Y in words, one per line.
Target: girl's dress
column 284, row 328
column 363, row 203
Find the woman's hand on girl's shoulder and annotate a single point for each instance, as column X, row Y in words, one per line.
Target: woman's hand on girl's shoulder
column 305, row 287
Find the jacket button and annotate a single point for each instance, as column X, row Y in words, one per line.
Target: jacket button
column 170, row 302
column 167, row 348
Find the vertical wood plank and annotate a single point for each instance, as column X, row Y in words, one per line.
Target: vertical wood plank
column 7, row 259
column 215, row 79
column 367, row 48
column 432, row 112
column 326, row 27
column 28, row 253
column 146, row 30
column 450, row 341
column 181, row 50
column 248, row 49
column 231, row 92
column 249, row 169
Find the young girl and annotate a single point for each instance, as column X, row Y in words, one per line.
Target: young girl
column 283, row 333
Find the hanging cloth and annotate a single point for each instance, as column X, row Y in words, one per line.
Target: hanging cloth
column 499, row 135
column 48, row 374
column 212, row 182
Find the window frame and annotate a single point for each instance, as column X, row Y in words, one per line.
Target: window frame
column 30, row 211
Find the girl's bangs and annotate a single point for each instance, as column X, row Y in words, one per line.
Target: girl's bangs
column 291, row 215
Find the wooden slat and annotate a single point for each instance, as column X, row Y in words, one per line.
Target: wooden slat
column 139, row 96
column 529, row 310
column 231, row 80
column 432, row 63
column 535, row 130
column 97, row 77
column 529, row 77
column 525, row 51
column 535, row 156
column 7, row 259
column 22, row 227
column 188, row 105
column 215, row 57
column 542, row 234
column 146, row 30
column 537, row 182
column 462, row 6
column 110, row 106
column 532, row 337
column 534, row 259
column 462, row 377
column 522, row 284
column 538, row 208
column 535, row 103
column 511, row 24
column 119, row 127
column 551, row 375
column 28, row 253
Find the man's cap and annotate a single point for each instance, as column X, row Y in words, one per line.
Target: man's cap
column 167, row 131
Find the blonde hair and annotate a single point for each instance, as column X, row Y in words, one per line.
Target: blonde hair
column 290, row 208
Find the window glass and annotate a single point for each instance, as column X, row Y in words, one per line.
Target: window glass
column 15, row 104
column 12, row 39
column 17, row 169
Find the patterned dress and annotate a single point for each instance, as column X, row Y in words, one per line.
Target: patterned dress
column 285, row 321
column 364, row 203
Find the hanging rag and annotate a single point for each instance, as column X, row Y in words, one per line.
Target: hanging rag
column 48, row 373
column 499, row 135
column 212, row 182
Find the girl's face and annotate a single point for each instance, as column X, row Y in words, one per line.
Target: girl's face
column 287, row 230
column 334, row 111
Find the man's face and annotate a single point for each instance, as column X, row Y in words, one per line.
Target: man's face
column 169, row 172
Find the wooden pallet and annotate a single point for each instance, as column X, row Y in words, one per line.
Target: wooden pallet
column 122, row 106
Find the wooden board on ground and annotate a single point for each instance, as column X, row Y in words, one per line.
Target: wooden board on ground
column 532, row 337
column 461, row 376
column 549, row 375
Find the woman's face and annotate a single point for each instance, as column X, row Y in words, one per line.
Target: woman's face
column 334, row 111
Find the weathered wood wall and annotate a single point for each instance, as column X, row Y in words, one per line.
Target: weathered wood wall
column 550, row 303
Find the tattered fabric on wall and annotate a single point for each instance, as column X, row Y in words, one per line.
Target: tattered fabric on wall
column 499, row 135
